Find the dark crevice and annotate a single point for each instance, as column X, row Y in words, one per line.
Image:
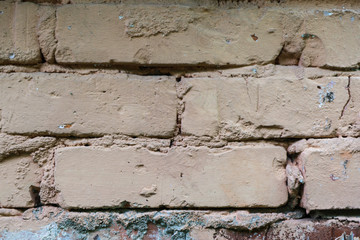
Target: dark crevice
column 341, row 69
column 35, row 195
column 349, row 97
column 43, row 60
column 251, row 210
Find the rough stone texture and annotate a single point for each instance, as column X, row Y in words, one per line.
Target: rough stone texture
column 312, row 229
column 79, row 130
column 9, row 212
column 280, row 104
column 248, row 176
column 164, row 35
column 299, row 4
column 54, row 223
column 98, row 104
column 313, row 42
column 17, row 177
column 15, row 145
column 18, row 40
column 327, row 48
column 46, row 32
column 331, row 170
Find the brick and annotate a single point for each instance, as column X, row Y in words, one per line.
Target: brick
column 277, row 105
column 18, row 177
column 18, row 39
column 337, row 50
column 98, row 104
column 247, row 176
column 331, row 169
column 164, row 35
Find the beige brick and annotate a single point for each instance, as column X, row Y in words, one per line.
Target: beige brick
column 331, row 168
column 247, row 176
column 335, row 31
column 277, row 106
column 17, row 175
column 18, row 38
column 96, row 104
column 163, row 35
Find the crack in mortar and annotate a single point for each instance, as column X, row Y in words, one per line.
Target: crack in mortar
column 349, row 97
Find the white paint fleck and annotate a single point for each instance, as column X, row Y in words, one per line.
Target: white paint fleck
column 352, row 19
column 61, row 126
column 327, row 13
column 12, row 55
column 69, row 27
column 121, row 17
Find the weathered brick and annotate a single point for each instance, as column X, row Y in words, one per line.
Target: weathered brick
column 88, row 105
column 278, row 105
column 331, row 169
column 312, row 41
column 323, row 47
column 248, row 176
column 19, row 177
column 18, row 39
column 165, row 35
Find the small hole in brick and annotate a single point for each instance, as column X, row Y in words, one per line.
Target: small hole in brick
column 178, row 79
column 181, row 174
column 254, row 37
column 35, row 195
column 171, row 142
column 319, row 87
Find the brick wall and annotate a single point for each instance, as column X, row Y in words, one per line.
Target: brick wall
column 179, row 119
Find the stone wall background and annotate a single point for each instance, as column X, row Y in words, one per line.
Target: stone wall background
column 179, row 119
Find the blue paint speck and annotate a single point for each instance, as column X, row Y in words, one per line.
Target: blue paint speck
column 12, row 55
column 326, row 13
column 352, row 19
column 121, row 17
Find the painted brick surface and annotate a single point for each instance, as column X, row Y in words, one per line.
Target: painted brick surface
column 97, row 104
column 249, row 176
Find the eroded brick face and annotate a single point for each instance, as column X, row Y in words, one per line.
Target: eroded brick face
column 179, row 119
column 182, row 177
